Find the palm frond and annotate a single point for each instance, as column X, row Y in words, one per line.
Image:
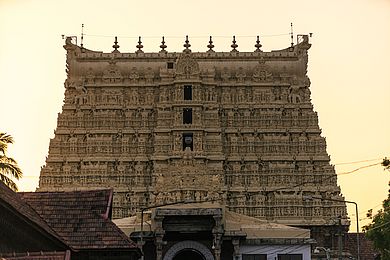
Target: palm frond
column 6, row 138
column 7, row 159
column 9, row 182
column 3, row 148
column 8, row 166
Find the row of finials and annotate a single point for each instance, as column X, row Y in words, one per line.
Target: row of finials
column 187, row 45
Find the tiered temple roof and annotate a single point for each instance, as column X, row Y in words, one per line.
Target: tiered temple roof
column 234, row 127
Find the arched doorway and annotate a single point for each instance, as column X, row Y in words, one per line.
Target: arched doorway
column 188, row 250
column 188, row 254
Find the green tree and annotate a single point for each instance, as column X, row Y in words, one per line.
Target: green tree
column 379, row 230
column 386, row 163
column 8, row 167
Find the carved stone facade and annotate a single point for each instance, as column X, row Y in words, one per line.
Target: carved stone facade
column 234, row 127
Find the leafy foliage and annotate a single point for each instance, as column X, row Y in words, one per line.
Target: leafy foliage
column 8, row 166
column 386, row 163
column 379, row 230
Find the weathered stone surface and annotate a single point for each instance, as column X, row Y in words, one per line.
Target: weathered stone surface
column 252, row 140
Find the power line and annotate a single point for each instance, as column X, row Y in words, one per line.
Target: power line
column 365, row 211
column 246, row 195
column 358, row 161
column 357, row 169
column 384, row 224
column 343, row 173
column 180, row 37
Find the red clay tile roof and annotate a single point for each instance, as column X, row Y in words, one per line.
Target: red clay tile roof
column 81, row 218
column 39, row 256
column 14, row 201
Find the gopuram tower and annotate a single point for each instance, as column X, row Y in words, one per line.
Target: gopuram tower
column 234, row 127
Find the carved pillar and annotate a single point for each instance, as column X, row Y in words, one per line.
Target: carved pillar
column 140, row 245
column 159, row 233
column 217, row 236
column 159, row 246
column 236, row 248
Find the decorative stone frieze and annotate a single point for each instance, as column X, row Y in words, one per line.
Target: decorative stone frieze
column 235, row 127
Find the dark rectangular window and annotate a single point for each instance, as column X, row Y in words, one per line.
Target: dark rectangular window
column 187, row 92
column 170, row 65
column 254, row 257
column 187, row 115
column 188, row 141
column 289, row 256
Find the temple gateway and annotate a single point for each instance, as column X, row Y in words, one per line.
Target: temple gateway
column 211, row 155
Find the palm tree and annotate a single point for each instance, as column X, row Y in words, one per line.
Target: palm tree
column 8, row 167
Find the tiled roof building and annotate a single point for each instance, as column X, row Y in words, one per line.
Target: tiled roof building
column 22, row 229
column 81, row 218
column 76, row 223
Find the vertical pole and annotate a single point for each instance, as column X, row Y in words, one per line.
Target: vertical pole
column 82, row 36
column 142, row 221
column 340, row 240
column 142, row 234
column 357, row 230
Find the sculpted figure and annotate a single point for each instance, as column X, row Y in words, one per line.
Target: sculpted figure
column 241, row 95
column 178, row 140
column 121, row 167
column 112, row 74
column 225, row 75
column 77, row 87
column 197, row 196
column 134, row 97
column 144, row 117
column 230, row 118
column 198, row 116
column 163, row 95
column 179, row 94
column 198, row 142
column 208, row 94
column 149, row 97
column 294, row 95
column 149, row 75
column 134, row 75
column 234, row 143
column 73, row 143
column 306, row 94
column 213, row 95
column 187, row 66
column 240, row 75
column 261, row 72
column 90, row 76
column 225, row 96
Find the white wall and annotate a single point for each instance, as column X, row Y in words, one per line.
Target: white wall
column 272, row 251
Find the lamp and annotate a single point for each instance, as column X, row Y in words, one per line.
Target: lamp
column 327, row 251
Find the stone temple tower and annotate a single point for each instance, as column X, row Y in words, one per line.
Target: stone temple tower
column 234, row 127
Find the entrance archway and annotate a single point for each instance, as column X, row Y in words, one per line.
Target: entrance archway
column 188, row 254
column 188, row 250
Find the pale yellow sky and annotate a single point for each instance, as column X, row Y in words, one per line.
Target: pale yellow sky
column 349, row 67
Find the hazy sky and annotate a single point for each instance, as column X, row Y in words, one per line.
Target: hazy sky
column 349, row 67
